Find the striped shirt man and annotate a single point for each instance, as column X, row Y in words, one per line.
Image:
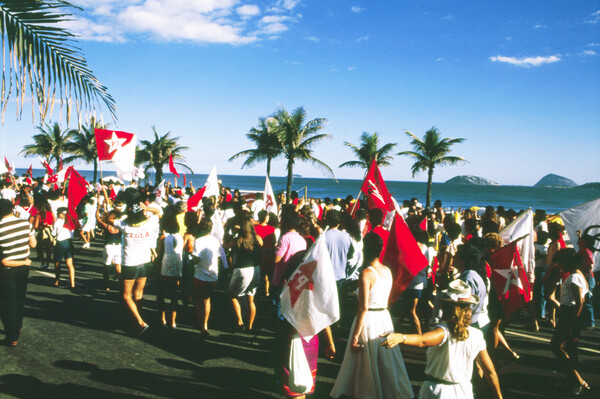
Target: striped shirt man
column 14, row 238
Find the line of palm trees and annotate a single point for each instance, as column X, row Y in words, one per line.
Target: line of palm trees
column 55, row 144
column 291, row 136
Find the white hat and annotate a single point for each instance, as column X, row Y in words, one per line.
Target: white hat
column 460, row 292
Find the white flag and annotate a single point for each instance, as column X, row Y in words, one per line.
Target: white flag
column 212, row 185
column 309, row 300
column 124, row 160
column 3, row 168
column 584, row 217
column 270, row 203
column 523, row 225
column 160, row 192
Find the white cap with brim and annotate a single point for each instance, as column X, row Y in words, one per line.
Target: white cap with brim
column 459, row 292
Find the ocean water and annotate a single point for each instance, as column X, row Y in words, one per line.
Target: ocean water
column 552, row 200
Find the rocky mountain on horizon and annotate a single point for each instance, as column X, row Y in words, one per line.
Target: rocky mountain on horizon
column 471, row 181
column 552, row 180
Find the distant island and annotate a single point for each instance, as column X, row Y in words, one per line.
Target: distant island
column 471, row 181
column 552, row 180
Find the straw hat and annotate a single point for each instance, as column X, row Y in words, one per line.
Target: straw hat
column 459, row 292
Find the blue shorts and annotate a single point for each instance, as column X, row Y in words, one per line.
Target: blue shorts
column 133, row 272
column 63, row 250
column 411, row 293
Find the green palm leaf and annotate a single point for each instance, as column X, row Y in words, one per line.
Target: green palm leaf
column 42, row 57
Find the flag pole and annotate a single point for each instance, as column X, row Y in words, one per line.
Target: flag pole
column 100, row 169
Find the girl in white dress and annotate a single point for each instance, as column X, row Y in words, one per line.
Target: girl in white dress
column 453, row 346
column 369, row 370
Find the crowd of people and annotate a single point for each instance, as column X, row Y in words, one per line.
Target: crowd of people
column 233, row 242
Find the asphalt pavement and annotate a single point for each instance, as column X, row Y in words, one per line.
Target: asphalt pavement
column 75, row 345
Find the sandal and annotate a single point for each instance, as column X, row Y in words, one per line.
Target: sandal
column 578, row 390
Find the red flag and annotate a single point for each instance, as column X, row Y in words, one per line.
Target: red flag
column 75, row 193
column 195, row 199
column 7, row 165
column 172, row 166
column 423, row 224
column 376, row 191
column 403, row 256
column 60, row 165
column 509, row 278
column 184, row 181
column 30, row 171
column 49, row 170
column 110, row 142
column 112, row 194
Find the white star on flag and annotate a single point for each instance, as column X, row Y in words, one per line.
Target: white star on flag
column 114, row 143
column 511, row 275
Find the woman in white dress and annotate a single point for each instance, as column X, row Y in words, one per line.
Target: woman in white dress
column 453, row 346
column 369, row 370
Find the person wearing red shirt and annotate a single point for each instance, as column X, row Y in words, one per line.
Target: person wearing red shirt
column 267, row 234
column 376, row 220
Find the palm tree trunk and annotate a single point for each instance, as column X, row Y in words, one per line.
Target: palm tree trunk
column 429, row 181
column 269, row 168
column 290, row 176
column 159, row 174
column 95, row 169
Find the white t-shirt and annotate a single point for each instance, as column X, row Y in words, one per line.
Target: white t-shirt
column 60, row 232
column 8, row 193
column 22, row 213
column 59, row 203
column 257, row 206
column 567, row 296
column 172, row 263
column 452, row 360
column 137, row 241
column 207, row 249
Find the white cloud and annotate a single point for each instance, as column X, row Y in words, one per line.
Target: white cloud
column 313, row 39
column 363, row 38
column 440, row 59
column 508, row 38
column 526, row 61
column 352, row 68
column 589, row 52
column 593, row 45
column 448, row 17
column 539, row 26
column 357, row 9
column 248, row 10
column 198, row 21
column 594, row 18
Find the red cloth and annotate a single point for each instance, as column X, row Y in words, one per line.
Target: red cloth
column 195, row 199
column 47, row 221
column 403, row 256
column 172, row 166
column 384, row 234
column 509, row 278
column 108, row 142
column 376, row 191
column 76, row 191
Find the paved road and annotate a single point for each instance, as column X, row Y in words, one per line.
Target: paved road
column 73, row 346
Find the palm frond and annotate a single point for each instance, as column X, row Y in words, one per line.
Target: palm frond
column 41, row 55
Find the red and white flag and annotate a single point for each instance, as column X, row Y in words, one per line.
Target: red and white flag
column 160, row 192
column 520, row 227
column 212, row 184
column 376, row 191
column 172, row 166
column 46, row 165
column 118, row 147
column 584, row 217
column 77, row 189
column 309, row 300
column 194, row 201
column 8, row 166
column 270, row 203
column 509, row 278
column 403, row 256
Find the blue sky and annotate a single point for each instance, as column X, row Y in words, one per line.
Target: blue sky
column 519, row 80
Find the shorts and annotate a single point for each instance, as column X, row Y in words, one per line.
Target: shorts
column 63, row 250
column 411, row 293
column 133, row 272
column 89, row 225
column 112, row 254
column 204, row 289
column 244, row 281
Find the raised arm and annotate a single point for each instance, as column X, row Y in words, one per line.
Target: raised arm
column 430, row 338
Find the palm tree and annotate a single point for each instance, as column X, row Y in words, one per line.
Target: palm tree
column 369, row 151
column 83, row 144
column 156, row 153
column 430, row 152
column 41, row 61
column 297, row 137
column 268, row 146
column 51, row 143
